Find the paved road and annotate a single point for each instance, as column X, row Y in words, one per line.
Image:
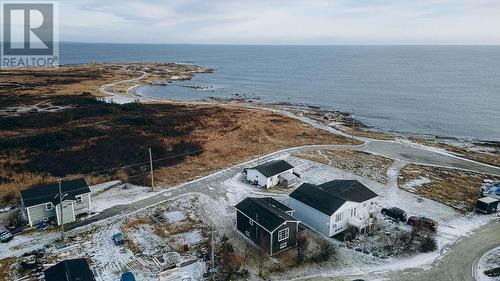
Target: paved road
column 411, row 153
column 456, row 265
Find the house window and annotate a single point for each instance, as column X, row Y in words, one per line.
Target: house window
column 339, row 217
column 247, row 233
column 283, row 234
column 49, row 206
column 78, row 199
column 282, row 245
column 353, row 212
column 250, row 222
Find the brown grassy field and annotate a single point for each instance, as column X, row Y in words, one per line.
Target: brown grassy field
column 456, row 188
column 94, row 136
column 21, row 87
column 357, row 162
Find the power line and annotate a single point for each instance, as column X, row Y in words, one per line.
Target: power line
column 122, row 167
column 142, row 163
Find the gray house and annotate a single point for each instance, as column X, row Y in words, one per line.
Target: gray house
column 267, row 223
column 42, row 203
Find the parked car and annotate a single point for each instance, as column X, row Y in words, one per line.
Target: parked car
column 118, row 239
column 5, row 235
column 128, row 276
column 423, row 222
column 394, row 213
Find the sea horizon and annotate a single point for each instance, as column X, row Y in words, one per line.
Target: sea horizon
column 336, row 77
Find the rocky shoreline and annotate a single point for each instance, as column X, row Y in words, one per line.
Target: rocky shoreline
column 486, row 151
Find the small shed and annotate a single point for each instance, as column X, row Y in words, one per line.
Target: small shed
column 267, row 175
column 487, row 205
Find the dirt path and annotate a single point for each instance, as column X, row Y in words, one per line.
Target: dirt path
column 392, row 175
column 118, row 97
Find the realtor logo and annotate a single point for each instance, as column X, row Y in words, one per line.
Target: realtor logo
column 29, row 34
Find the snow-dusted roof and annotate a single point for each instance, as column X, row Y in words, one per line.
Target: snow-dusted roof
column 273, row 168
column 487, row 200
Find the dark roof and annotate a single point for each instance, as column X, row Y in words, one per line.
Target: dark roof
column 320, row 200
column 273, row 168
column 267, row 212
column 70, row 270
column 330, row 196
column 50, row 192
column 349, row 190
column 275, row 203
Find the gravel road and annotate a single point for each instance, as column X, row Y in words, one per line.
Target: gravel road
column 456, row 265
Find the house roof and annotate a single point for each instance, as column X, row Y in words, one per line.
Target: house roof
column 349, row 190
column 50, row 192
column 317, row 198
column 488, row 200
column 267, row 212
column 70, row 270
column 273, row 168
column 330, row 196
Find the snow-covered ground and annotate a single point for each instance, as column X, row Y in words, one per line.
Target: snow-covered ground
column 213, row 200
column 414, row 184
column 489, row 261
column 110, row 194
column 452, row 224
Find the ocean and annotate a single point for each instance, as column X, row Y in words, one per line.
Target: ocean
column 445, row 91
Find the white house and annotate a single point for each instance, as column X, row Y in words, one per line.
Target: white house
column 270, row 173
column 42, row 203
column 332, row 207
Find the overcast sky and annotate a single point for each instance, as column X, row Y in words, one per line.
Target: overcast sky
column 282, row 21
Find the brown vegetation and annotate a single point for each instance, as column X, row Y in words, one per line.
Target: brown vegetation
column 456, row 188
column 87, row 137
column 357, row 162
column 491, row 158
column 92, row 137
column 7, row 268
column 21, row 87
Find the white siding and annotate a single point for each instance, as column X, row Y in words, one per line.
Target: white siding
column 39, row 213
column 311, row 217
column 68, row 212
column 84, row 206
column 327, row 225
column 254, row 175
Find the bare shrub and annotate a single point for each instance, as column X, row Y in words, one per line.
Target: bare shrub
column 302, row 244
column 428, row 244
column 324, row 252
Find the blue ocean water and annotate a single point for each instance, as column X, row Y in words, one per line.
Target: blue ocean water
column 451, row 91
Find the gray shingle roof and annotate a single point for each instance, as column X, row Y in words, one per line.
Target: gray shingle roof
column 317, row 198
column 265, row 211
column 70, row 270
column 50, row 192
column 349, row 190
column 330, row 196
column 273, row 168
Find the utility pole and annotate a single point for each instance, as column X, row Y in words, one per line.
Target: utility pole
column 151, row 165
column 258, row 156
column 61, row 209
column 352, row 133
column 213, row 249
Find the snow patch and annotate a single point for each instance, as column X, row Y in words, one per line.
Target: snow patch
column 107, row 195
column 489, row 261
column 414, row 184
